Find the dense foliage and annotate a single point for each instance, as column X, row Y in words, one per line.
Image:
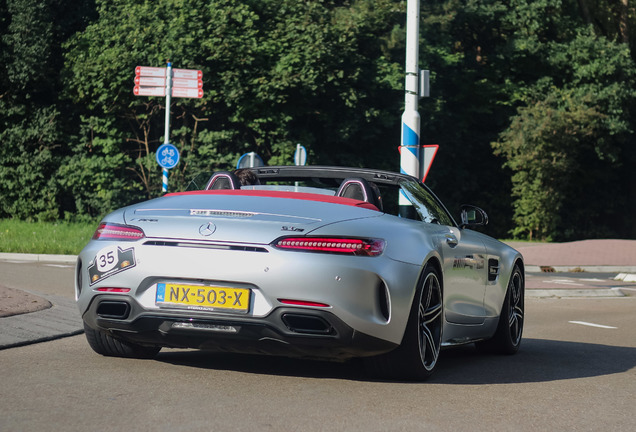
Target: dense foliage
column 531, row 101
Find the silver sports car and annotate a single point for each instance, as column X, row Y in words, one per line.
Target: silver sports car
column 315, row 262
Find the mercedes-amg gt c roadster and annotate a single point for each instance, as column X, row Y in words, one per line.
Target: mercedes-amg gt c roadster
column 304, row 261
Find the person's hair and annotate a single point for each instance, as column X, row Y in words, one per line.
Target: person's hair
column 246, row 177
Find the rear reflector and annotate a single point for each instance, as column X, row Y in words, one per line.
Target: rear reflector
column 347, row 246
column 113, row 290
column 302, row 303
column 108, row 231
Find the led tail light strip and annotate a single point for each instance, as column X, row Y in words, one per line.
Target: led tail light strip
column 346, row 246
column 108, row 231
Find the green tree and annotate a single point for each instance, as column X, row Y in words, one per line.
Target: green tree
column 569, row 146
column 275, row 73
column 32, row 126
column 464, row 44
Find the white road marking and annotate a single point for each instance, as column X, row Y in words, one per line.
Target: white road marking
column 591, row 324
column 59, row 265
column 563, row 282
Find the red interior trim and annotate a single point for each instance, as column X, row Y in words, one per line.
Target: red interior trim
column 281, row 194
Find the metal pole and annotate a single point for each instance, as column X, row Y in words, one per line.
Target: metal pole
column 166, row 133
column 410, row 140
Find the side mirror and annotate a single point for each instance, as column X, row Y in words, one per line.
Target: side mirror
column 472, row 216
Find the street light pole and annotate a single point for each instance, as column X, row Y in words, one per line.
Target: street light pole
column 410, row 141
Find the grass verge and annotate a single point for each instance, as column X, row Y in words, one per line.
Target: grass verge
column 59, row 238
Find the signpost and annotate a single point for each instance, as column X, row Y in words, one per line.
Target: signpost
column 167, row 82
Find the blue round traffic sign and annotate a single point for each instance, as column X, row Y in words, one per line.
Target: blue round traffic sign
column 249, row 160
column 167, row 156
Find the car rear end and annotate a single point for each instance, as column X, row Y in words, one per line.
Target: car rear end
column 243, row 273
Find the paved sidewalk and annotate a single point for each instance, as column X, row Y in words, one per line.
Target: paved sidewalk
column 60, row 320
column 594, row 256
column 29, row 323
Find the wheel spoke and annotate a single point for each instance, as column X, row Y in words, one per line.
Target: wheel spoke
column 428, row 288
column 429, row 347
column 432, row 314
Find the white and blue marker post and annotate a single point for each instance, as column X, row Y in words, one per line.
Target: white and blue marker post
column 166, row 133
column 410, row 140
column 167, row 154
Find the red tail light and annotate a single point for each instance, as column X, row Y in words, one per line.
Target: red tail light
column 113, row 290
column 302, row 303
column 346, row 246
column 108, row 231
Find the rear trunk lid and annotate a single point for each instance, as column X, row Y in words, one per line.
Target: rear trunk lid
column 236, row 217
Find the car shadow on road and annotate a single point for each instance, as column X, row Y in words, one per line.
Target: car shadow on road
column 539, row 360
column 261, row 364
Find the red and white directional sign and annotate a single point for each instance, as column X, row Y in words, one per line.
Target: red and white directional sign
column 148, row 71
column 187, row 83
column 149, row 91
column 187, row 74
column 150, row 81
column 187, row 92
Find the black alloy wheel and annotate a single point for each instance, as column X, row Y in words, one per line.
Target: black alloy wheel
column 507, row 337
column 429, row 321
column 415, row 359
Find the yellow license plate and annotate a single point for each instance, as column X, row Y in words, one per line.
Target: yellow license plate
column 203, row 297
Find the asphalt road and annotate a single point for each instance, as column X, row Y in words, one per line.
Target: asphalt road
column 575, row 371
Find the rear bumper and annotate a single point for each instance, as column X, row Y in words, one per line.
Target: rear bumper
column 286, row 331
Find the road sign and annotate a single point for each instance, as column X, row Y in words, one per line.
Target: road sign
column 300, row 156
column 249, row 160
column 167, row 156
column 168, row 82
column 149, row 91
column 187, row 83
column 187, row 74
column 187, row 92
column 150, row 71
column 150, row 81
column 428, row 155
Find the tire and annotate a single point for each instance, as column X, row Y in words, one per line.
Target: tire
column 507, row 337
column 106, row 345
column 415, row 359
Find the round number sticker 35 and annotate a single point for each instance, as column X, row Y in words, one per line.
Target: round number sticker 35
column 110, row 261
column 106, row 259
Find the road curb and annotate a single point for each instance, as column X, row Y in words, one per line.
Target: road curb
column 574, row 293
column 22, row 257
column 578, row 269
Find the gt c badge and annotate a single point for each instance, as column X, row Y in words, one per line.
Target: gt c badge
column 110, row 261
column 291, row 228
